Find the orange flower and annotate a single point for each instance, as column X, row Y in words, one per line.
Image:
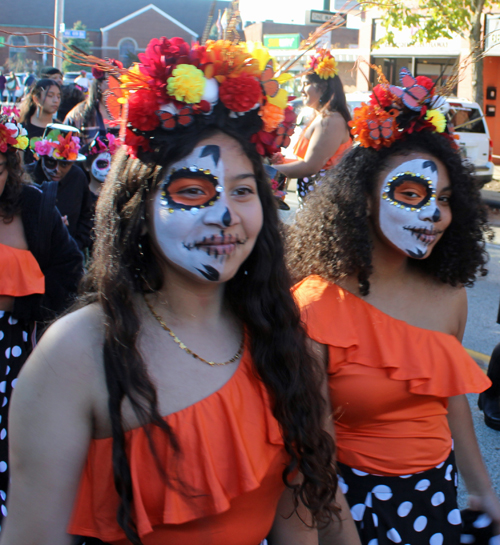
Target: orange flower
column 272, row 116
column 225, row 59
column 373, row 127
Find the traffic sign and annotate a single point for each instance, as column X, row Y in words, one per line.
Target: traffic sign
column 79, row 34
column 318, row 17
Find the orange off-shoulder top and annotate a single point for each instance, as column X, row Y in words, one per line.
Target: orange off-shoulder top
column 389, row 381
column 20, row 273
column 224, row 485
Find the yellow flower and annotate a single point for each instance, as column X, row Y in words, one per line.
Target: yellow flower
column 133, row 80
column 437, row 119
column 22, row 142
column 186, row 84
column 327, row 68
column 259, row 52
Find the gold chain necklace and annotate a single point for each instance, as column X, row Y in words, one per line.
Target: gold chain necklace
column 185, row 348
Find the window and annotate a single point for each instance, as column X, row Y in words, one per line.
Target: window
column 127, row 47
column 16, row 53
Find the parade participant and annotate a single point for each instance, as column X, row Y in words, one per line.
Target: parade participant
column 38, row 109
column 57, row 152
column 99, row 154
column 40, row 266
column 91, row 116
column 489, row 401
column 384, row 249
column 326, row 137
column 54, row 74
column 183, row 386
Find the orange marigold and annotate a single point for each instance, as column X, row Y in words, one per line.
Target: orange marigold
column 272, row 116
column 373, row 127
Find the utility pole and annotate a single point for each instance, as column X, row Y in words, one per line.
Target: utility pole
column 326, row 5
column 58, row 32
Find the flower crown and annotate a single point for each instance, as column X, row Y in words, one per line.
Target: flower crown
column 58, row 145
column 176, row 85
column 12, row 134
column 394, row 112
column 102, row 144
column 323, row 64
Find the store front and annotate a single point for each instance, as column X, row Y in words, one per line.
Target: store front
column 491, row 82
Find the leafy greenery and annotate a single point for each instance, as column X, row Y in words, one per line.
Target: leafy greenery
column 84, row 45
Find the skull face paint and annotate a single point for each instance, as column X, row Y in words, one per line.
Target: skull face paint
column 409, row 215
column 207, row 214
column 49, row 167
column 100, row 166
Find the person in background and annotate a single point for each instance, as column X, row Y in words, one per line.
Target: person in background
column 3, row 81
column 326, row 137
column 29, row 80
column 54, row 74
column 12, row 84
column 91, row 116
column 384, row 249
column 99, row 154
column 57, row 152
column 38, row 110
column 40, row 266
column 71, row 95
column 125, row 433
column 82, row 80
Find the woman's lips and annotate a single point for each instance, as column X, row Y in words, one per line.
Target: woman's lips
column 427, row 236
column 217, row 244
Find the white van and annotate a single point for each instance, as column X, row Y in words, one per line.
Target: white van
column 475, row 143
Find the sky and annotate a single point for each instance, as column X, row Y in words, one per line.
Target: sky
column 279, row 11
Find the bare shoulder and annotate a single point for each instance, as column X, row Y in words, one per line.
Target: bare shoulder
column 332, row 121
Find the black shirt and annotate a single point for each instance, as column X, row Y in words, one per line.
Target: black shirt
column 33, row 132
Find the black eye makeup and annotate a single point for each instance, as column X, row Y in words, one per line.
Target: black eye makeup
column 190, row 188
column 409, row 190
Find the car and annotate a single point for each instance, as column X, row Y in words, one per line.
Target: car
column 476, row 146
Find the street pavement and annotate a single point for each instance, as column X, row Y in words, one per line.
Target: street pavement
column 481, row 336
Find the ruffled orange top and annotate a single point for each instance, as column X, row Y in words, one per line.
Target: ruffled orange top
column 229, row 473
column 20, row 273
column 303, row 143
column 389, row 381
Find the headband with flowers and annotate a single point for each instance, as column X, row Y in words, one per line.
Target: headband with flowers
column 394, row 112
column 58, row 144
column 176, row 85
column 323, row 64
column 102, row 144
column 12, row 134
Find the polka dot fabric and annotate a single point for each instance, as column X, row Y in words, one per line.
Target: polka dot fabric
column 307, row 184
column 418, row 509
column 14, row 350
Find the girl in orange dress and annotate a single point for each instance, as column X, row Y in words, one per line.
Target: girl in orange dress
column 40, row 266
column 180, row 404
column 383, row 251
column 326, row 137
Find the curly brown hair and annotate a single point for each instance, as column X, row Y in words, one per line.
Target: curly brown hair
column 331, row 236
column 10, row 199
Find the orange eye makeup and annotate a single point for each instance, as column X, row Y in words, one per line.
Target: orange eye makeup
column 190, row 188
column 409, row 190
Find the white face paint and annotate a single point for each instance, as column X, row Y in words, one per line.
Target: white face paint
column 201, row 228
column 100, row 166
column 49, row 167
column 408, row 207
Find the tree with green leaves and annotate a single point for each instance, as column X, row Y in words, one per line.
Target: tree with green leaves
column 84, row 45
column 434, row 19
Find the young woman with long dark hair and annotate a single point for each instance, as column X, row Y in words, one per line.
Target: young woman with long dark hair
column 38, row 109
column 40, row 267
column 383, row 251
column 326, row 137
column 179, row 403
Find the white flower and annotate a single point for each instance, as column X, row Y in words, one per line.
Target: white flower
column 13, row 127
column 440, row 103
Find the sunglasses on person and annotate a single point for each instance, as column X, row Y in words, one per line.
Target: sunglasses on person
column 52, row 163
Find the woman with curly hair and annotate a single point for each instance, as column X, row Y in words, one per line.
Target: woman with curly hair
column 383, row 252
column 40, row 267
column 179, row 403
column 326, row 137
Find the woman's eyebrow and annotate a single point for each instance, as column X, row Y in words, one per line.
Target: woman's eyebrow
column 243, row 176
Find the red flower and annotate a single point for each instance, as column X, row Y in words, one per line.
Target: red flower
column 384, row 96
column 265, row 143
column 97, row 72
column 426, row 82
column 160, row 59
column 142, row 107
column 135, row 143
column 240, row 94
column 6, row 138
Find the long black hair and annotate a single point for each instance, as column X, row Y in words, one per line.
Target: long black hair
column 333, row 97
column 125, row 264
column 10, row 199
column 39, row 90
column 331, row 236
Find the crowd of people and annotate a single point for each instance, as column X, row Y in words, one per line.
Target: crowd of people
column 190, row 372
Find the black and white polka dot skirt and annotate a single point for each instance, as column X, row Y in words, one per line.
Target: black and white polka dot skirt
column 15, row 346
column 307, row 184
column 418, row 509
